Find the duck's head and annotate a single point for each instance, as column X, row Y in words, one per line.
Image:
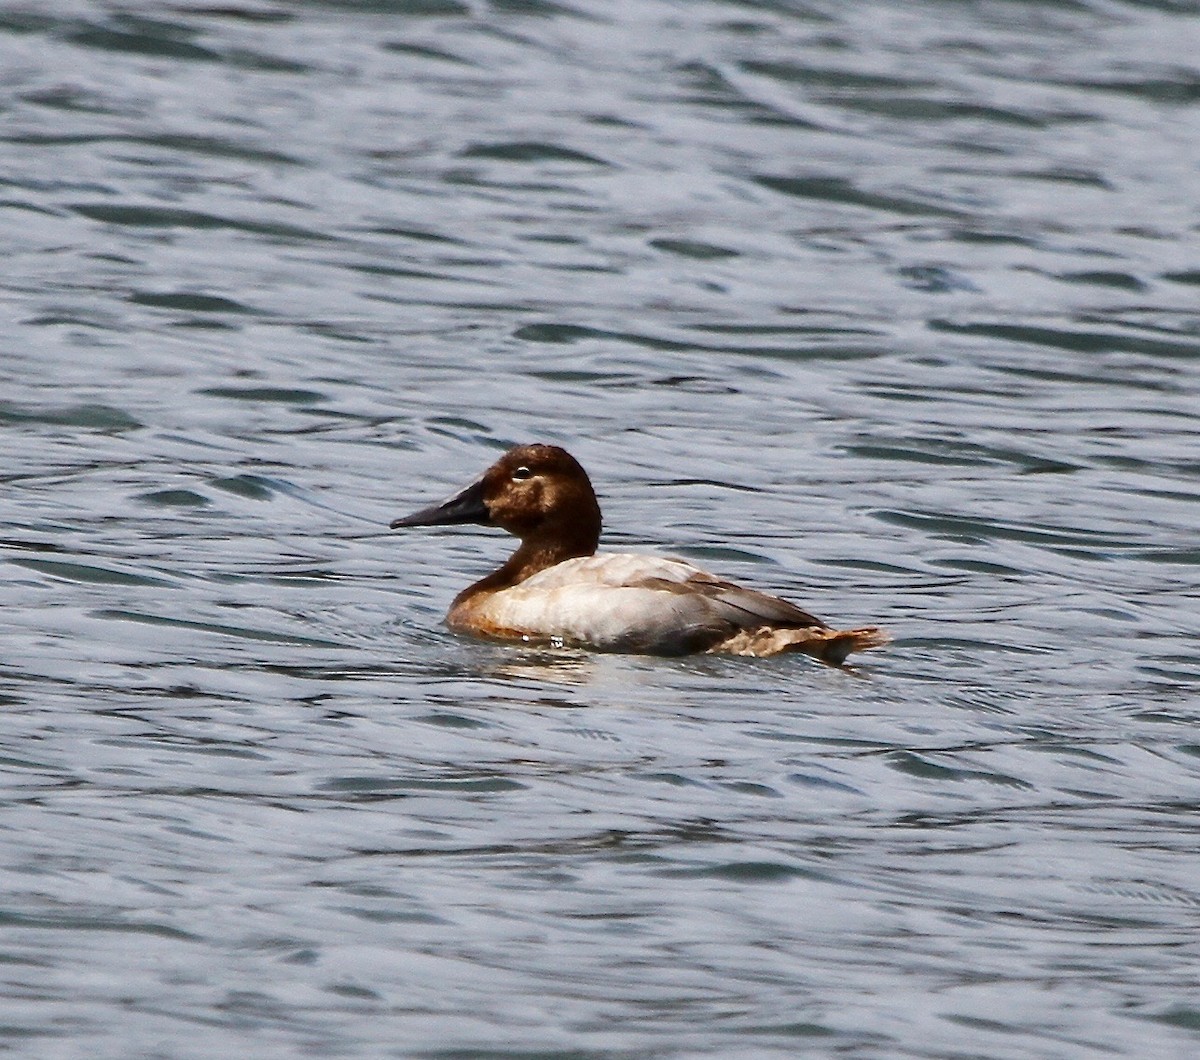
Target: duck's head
column 532, row 491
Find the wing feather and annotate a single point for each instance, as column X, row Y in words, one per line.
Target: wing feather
column 741, row 607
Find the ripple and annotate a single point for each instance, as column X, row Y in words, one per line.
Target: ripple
column 689, row 248
column 141, row 36
column 385, row 785
column 66, row 921
column 1188, row 276
column 149, row 216
column 243, row 632
column 251, row 487
column 270, row 394
column 424, row 51
column 1180, row 90
column 842, row 191
column 530, row 151
column 175, row 499
column 189, row 301
column 85, row 572
column 925, row 768
column 1102, row 278
column 88, row 416
column 1082, row 341
column 753, row 872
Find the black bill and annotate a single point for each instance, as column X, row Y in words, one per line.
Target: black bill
column 465, row 507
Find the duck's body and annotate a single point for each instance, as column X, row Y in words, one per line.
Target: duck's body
column 555, row 589
column 649, row 605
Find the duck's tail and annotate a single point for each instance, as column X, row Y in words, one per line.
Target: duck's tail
column 829, row 645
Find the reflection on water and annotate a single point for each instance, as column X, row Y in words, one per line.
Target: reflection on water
column 562, row 666
column 888, row 309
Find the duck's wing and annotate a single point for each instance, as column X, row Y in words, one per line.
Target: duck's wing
column 741, row 607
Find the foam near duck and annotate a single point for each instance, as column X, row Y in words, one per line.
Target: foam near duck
column 556, row 589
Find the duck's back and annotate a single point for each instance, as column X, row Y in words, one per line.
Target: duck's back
column 627, row 602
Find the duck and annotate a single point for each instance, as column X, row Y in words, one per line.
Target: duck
column 557, row 590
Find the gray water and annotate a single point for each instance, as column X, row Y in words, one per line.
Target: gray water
column 890, row 308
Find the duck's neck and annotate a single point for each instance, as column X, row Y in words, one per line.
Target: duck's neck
column 537, row 553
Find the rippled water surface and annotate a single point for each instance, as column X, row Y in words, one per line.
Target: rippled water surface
column 889, row 308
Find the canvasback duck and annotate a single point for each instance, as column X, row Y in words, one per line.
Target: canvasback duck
column 556, row 589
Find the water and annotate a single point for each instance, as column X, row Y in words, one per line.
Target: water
column 889, row 308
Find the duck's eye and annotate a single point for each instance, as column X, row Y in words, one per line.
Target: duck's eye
column 521, row 474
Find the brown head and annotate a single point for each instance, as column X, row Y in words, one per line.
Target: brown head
column 539, row 493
